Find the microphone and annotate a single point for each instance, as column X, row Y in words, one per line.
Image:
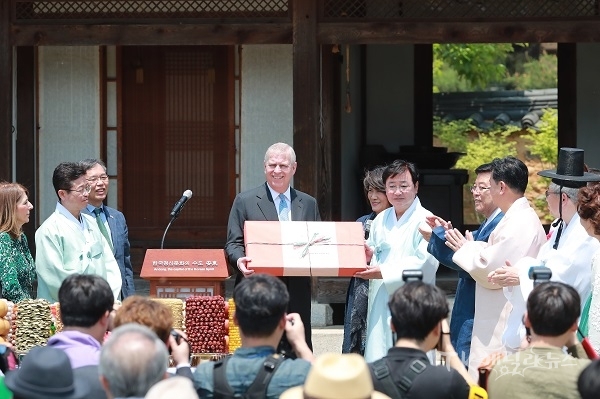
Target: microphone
column 187, row 194
column 368, row 228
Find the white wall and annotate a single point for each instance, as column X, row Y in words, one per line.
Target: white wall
column 588, row 101
column 267, row 107
column 69, row 112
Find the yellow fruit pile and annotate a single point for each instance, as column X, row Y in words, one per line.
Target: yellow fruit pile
column 6, row 321
column 234, row 331
column 176, row 306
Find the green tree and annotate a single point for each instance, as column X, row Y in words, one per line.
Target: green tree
column 535, row 74
column 480, row 64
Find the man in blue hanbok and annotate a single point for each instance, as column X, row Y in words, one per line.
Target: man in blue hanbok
column 463, row 311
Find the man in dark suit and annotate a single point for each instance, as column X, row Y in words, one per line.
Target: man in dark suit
column 463, row 311
column 273, row 201
column 111, row 222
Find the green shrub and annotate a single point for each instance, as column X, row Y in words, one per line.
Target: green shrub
column 544, row 146
column 544, row 141
column 453, row 134
column 487, row 146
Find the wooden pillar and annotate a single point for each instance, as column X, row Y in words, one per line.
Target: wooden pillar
column 331, row 156
column 423, row 89
column 567, row 94
column 6, row 60
column 26, row 130
column 306, row 97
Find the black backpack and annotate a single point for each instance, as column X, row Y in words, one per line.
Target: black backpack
column 258, row 388
column 381, row 371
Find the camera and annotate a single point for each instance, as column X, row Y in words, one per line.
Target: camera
column 177, row 336
column 539, row 274
column 412, row 275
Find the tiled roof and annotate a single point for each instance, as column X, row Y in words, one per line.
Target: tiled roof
column 520, row 108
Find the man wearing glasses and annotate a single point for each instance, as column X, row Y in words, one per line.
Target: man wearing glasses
column 110, row 221
column 394, row 245
column 69, row 241
column 518, row 234
column 463, row 311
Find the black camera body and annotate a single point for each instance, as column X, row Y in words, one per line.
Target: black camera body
column 539, row 274
column 412, row 275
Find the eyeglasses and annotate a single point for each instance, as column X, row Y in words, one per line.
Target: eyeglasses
column 282, row 166
column 403, row 188
column 94, row 179
column 478, row 189
column 548, row 193
column 82, row 190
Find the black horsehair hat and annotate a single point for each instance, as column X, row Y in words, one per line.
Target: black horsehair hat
column 570, row 171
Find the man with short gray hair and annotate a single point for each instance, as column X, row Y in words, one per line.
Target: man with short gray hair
column 111, row 222
column 132, row 360
column 275, row 200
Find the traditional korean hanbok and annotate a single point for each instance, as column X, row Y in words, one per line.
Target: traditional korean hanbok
column 65, row 245
column 398, row 246
column 571, row 263
column 518, row 234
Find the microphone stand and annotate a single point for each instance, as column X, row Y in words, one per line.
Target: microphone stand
column 162, row 242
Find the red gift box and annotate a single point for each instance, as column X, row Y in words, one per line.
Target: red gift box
column 332, row 249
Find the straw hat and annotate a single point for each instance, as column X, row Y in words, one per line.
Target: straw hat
column 336, row 376
column 174, row 387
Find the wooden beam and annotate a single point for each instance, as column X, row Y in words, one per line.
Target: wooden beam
column 356, row 32
column 567, row 94
column 124, row 35
column 6, row 60
column 307, row 134
column 422, row 32
column 423, row 88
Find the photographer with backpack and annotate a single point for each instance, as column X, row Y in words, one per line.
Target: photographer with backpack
column 255, row 370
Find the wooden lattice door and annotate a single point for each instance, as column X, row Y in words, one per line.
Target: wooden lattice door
column 177, row 112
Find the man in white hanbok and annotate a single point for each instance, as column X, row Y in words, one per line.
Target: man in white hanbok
column 394, row 245
column 518, row 234
column 568, row 252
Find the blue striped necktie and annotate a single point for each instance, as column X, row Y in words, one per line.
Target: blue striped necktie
column 283, row 209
